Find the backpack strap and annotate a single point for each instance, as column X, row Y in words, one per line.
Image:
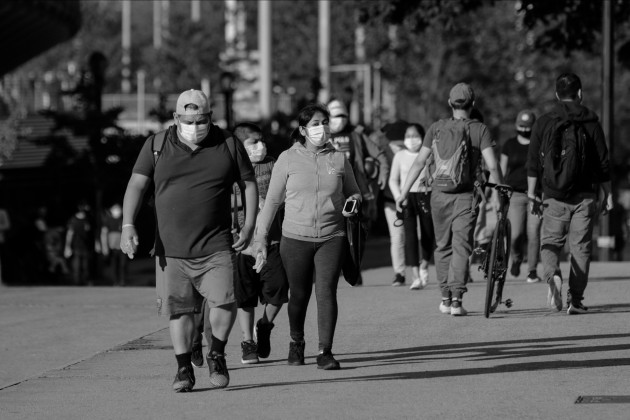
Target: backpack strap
column 231, row 144
column 157, row 145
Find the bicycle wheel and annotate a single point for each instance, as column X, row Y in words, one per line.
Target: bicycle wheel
column 501, row 269
column 497, row 254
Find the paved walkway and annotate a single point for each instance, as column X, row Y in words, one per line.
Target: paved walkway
column 101, row 353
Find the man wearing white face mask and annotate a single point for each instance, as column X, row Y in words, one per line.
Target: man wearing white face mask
column 362, row 153
column 193, row 171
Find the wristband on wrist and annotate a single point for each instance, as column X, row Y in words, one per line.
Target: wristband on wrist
column 127, row 225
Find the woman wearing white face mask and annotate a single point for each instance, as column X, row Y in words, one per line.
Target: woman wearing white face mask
column 418, row 251
column 314, row 181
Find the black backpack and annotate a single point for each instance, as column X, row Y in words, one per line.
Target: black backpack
column 563, row 158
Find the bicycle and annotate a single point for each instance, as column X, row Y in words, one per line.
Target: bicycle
column 494, row 264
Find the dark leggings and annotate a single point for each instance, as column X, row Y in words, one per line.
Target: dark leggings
column 304, row 261
column 418, row 211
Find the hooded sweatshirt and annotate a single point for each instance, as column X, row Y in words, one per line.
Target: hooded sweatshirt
column 313, row 187
column 597, row 162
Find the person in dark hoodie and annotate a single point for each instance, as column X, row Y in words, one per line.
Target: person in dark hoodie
column 570, row 202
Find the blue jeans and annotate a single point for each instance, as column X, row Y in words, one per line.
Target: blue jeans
column 525, row 229
column 573, row 218
column 307, row 262
column 454, row 223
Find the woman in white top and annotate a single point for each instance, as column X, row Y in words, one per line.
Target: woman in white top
column 417, row 213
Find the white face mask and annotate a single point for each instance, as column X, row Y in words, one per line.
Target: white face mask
column 192, row 132
column 337, row 124
column 256, row 151
column 413, row 143
column 318, row 135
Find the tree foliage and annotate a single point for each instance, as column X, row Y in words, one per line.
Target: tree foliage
column 569, row 25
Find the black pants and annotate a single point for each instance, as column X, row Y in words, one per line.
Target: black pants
column 418, row 212
column 303, row 261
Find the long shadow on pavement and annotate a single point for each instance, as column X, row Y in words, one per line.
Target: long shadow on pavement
column 478, row 352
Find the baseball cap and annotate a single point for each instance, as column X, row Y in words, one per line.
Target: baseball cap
column 525, row 120
column 195, row 97
column 337, row 109
column 461, row 94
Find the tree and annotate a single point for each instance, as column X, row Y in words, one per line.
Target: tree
column 569, row 25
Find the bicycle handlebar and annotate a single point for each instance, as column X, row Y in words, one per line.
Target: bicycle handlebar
column 502, row 187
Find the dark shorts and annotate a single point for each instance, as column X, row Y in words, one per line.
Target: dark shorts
column 270, row 285
column 183, row 283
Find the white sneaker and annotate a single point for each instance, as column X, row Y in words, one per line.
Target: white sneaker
column 424, row 276
column 554, row 295
column 416, row 285
column 532, row 278
column 444, row 308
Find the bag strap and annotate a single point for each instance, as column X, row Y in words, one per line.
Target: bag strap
column 235, row 224
column 157, row 145
column 231, row 144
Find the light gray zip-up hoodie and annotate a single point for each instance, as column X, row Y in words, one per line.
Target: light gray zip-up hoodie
column 314, row 188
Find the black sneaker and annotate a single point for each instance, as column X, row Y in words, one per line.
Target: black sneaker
column 576, row 308
column 296, row 353
column 250, row 355
column 399, row 280
column 219, row 376
column 184, row 380
column 262, row 333
column 326, row 361
column 197, row 356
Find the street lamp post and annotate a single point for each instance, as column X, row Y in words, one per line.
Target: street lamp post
column 227, row 88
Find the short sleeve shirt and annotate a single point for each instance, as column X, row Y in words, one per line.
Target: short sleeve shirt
column 516, row 174
column 480, row 139
column 192, row 192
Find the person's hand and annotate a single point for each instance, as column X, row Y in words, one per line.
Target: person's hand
column 67, row 252
column 105, row 251
column 354, row 211
column 260, row 250
column 401, row 202
column 536, row 206
column 244, row 237
column 129, row 241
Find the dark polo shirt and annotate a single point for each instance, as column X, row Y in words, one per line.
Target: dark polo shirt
column 192, row 192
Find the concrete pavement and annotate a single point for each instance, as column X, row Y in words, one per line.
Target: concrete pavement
column 96, row 353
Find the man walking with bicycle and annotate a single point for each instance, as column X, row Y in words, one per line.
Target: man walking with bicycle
column 455, row 146
column 568, row 154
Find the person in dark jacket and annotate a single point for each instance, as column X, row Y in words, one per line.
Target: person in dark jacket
column 569, row 213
